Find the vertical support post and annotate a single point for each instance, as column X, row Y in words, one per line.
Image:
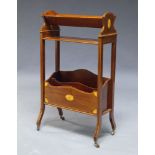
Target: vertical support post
column 57, row 56
column 113, row 68
column 99, row 92
column 42, row 80
column 57, row 68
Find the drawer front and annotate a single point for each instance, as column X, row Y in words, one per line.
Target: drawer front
column 70, row 98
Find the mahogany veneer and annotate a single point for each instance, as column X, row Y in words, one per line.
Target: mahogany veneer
column 79, row 90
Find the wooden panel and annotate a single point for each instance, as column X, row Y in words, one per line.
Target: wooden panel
column 104, row 95
column 81, row 88
column 53, row 18
column 84, row 102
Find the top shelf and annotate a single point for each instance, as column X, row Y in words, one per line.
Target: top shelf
column 50, row 30
column 54, row 18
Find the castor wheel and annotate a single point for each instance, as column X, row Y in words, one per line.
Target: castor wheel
column 38, row 128
column 63, row 118
column 113, row 132
column 96, row 145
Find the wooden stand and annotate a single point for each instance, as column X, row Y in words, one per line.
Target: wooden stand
column 80, row 90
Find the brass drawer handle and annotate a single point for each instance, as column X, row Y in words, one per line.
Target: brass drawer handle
column 69, row 97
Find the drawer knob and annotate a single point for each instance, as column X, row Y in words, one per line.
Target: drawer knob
column 69, row 97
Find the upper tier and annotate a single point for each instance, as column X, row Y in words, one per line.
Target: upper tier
column 54, row 18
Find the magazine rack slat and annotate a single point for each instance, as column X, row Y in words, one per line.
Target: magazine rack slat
column 79, row 90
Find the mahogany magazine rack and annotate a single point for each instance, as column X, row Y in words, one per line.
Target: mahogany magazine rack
column 79, row 90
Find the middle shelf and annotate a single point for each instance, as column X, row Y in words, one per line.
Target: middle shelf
column 73, row 39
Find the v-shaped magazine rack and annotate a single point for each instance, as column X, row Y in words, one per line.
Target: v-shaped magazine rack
column 79, row 90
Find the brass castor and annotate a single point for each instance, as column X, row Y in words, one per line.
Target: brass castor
column 95, row 143
column 63, row 118
column 38, row 128
column 113, row 132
